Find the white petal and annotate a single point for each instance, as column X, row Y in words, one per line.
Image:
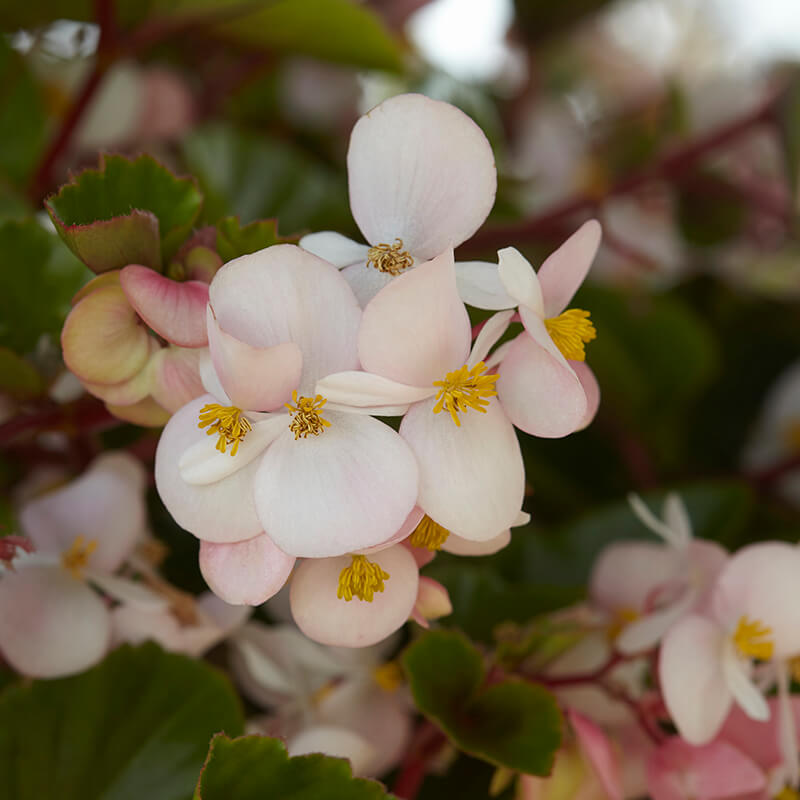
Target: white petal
column 644, row 633
column 127, row 591
column 480, row 286
column 420, row 170
column 365, row 389
column 519, row 280
column 334, row 248
column 677, row 518
column 493, row 329
column 366, row 281
column 650, row 520
column 334, row 741
column 787, row 726
column 466, row 547
column 740, row 686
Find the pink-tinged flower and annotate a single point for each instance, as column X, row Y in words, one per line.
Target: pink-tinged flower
column 319, row 481
column 545, row 385
column 433, row 602
column 347, row 703
column 706, row 662
column 644, row 587
column 55, row 622
column 422, row 180
column 414, row 345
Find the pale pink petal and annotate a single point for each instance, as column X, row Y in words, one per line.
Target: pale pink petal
column 537, row 330
column 325, row 618
column 245, row 573
column 787, row 726
column 471, row 477
column 520, row 280
column 366, row 389
column 334, row 741
column 677, row 518
column 740, row 685
column 218, row 512
column 52, row 623
column 433, row 601
column 480, row 286
column 416, row 329
column 175, row 311
column 334, row 248
column 366, row 281
column 540, row 396
column 134, row 625
column 255, row 378
column 644, row 633
column 692, row 679
column 284, row 294
column 422, row 171
column 125, row 590
column 758, row 739
column 489, row 334
column 210, row 379
column 565, row 269
column 590, row 388
column 650, row 520
column 465, row 547
column 597, row 750
column 175, row 376
column 349, row 488
column 225, row 616
column 406, row 529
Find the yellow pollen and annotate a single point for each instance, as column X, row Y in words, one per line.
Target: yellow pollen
column 622, row 617
column 389, row 258
column 429, row 534
column 76, row 558
column 228, row 422
column 388, row 676
column 318, row 697
column 787, row 793
column 464, row 389
column 361, row 579
column 570, row 331
column 753, row 639
column 307, row 418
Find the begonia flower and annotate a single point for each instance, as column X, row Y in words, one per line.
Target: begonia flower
column 55, row 620
column 422, row 180
column 545, row 385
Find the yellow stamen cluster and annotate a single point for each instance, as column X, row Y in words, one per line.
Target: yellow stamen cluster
column 388, row 676
column 228, row 422
column 464, row 389
column 752, row 639
column 787, row 793
column 306, row 417
column 76, row 558
column 622, row 617
column 389, row 258
column 361, row 579
column 429, row 534
column 570, row 331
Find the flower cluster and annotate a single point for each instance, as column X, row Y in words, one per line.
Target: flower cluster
column 286, row 456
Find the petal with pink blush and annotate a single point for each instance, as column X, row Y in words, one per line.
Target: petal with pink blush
column 596, row 748
column 245, row 573
column 125, row 590
column 406, row 529
column 416, row 329
column 365, row 389
column 52, row 624
column 255, row 378
column 285, row 294
column 334, row 248
column 366, row 281
column 645, row 632
column 175, row 376
column 519, row 279
column 176, row 311
column 218, row 512
column 349, row 488
column 565, row 270
column 480, row 286
column 103, row 340
column 591, row 389
column 489, row 334
column 540, row 396
column 325, row 618
column 465, row 547
column 471, row 477
column 692, row 679
column 433, row 601
column 422, row 171
column 335, row 741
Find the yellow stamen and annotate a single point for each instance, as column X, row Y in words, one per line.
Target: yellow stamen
column 318, row 697
column 464, row 389
column 307, row 418
column 228, row 422
column 388, row 676
column 791, row 436
column 361, row 579
column 429, row 534
column 76, row 558
column 622, row 617
column 787, row 793
column 753, row 639
column 570, row 331
column 389, row 258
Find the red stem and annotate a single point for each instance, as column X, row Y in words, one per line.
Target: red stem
column 428, row 740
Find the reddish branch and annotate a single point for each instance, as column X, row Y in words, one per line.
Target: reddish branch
column 428, row 741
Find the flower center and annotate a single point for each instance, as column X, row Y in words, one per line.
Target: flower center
column 388, row 676
column 429, row 534
column 361, row 579
column 389, row 258
column 76, row 558
column 464, row 389
column 306, row 416
column 622, row 617
column 787, row 793
column 570, row 331
column 753, row 639
column 228, row 422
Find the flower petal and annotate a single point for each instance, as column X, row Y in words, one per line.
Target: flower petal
column 126, row 590
column 175, row 376
column 349, row 488
column 519, row 279
column 334, row 248
column 416, row 329
column 365, row 389
column 744, row 691
column 466, row 547
column 480, row 286
column 255, row 378
column 325, row 618
column 591, row 389
column 565, row 269
column 596, row 747
column 218, row 512
column 422, row 171
column 52, row 624
column 433, row 601
column 332, row 740
column 644, row 633
column 471, row 477
column 366, row 281
column 487, row 338
column 245, row 573
column 176, row 311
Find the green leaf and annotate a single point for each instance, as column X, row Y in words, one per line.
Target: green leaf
column 257, row 767
column 129, row 211
column 18, row 377
column 38, row 278
column 235, row 239
column 511, row 724
column 136, row 726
